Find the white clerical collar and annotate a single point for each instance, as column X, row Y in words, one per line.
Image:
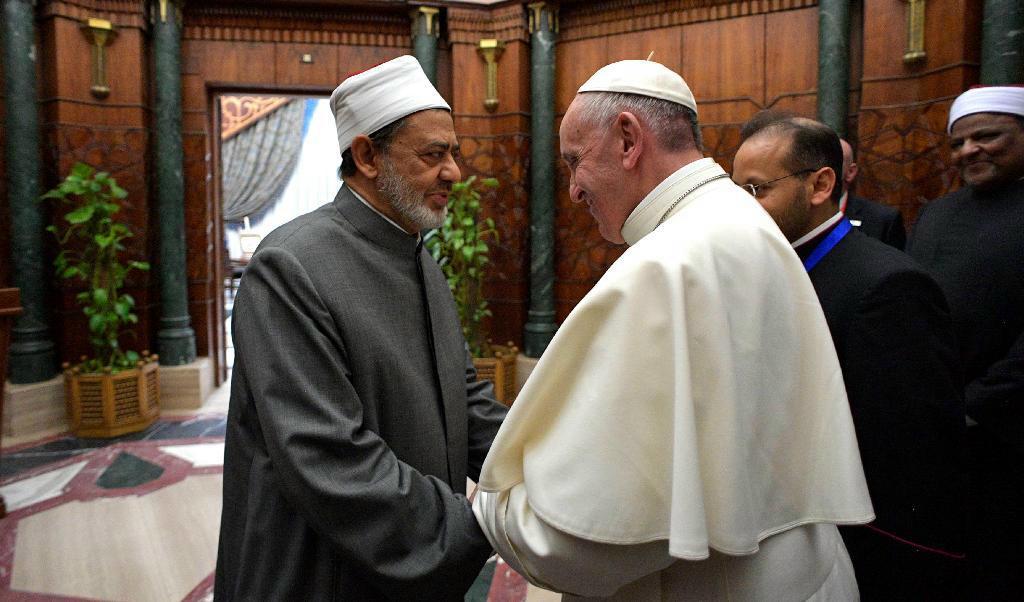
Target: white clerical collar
column 821, row 228
column 842, row 201
column 374, row 209
column 645, row 217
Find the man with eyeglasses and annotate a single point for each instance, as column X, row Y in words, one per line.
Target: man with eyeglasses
column 972, row 241
column 893, row 334
column 355, row 414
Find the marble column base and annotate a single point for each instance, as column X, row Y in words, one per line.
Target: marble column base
column 34, row 409
column 187, row 386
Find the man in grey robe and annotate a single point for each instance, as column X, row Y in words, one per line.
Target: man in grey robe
column 355, row 415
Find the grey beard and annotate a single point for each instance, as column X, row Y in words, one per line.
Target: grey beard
column 405, row 200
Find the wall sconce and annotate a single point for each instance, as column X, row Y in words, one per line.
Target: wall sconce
column 491, row 50
column 915, row 32
column 100, row 32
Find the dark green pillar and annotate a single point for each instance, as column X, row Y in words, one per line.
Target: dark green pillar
column 32, row 353
column 425, row 31
column 834, row 63
column 540, row 321
column 176, row 339
column 1002, row 43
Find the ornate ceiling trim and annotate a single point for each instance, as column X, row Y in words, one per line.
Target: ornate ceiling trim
column 121, row 13
column 306, row 26
column 608, row 17
column 240, row 112
column 505, row 23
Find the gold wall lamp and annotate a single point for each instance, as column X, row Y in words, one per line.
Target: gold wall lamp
column 490, row 50
column 915, row 32
column 100, row 33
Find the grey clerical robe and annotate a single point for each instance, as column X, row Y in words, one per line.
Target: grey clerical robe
column 354, row 420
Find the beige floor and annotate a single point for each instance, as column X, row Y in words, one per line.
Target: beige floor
column 155, row 547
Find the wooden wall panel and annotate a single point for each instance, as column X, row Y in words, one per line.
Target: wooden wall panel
column 723, row 62
column 290, row 70
column 497, row 144
column 111, row 134
column 791, row 61
column 900, row 140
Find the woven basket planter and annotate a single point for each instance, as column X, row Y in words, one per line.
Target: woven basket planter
column 109, row 405
column 500, row 370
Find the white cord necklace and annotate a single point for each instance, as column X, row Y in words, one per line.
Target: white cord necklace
column 664, row 216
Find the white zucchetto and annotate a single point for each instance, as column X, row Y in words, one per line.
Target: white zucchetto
column 368, row 101
column 987, row 99
column 646, row 78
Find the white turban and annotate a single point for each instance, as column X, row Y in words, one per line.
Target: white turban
column 646, row 78
column 988, row 99
column 370, row 100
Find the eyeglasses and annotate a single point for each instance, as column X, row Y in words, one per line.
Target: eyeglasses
column 754, row 189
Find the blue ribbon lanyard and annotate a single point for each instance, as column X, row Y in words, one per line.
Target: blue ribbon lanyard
column 833, row 238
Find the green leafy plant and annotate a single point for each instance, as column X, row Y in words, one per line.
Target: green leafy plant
column 460, row 248
column 91, row 248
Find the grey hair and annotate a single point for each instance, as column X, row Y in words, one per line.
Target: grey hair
column 674, row 125
column 382, row 139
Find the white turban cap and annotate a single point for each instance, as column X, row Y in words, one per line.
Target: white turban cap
column 646, row 78
column 987, row 99
column 370, row 100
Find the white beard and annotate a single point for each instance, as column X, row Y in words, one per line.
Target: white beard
column 405, row 200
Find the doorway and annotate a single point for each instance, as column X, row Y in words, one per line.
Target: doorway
column 278, row 158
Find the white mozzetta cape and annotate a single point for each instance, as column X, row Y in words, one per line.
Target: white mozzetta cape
column 693, row 396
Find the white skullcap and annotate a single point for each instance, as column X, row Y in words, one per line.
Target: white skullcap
column 646, row 78
column 987, row 99
column 370, row 100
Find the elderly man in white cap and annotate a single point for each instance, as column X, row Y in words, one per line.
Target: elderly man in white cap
column 972, row 241
column 355, row 417
column 686, row 435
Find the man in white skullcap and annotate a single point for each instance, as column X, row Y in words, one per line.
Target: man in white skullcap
column 972, row 241
column 355, row 415
column 686, row 434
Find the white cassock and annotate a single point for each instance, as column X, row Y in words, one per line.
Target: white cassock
column 687, row 433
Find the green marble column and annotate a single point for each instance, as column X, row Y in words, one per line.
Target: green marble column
column 176, row 340
column 1002, row 43
column 425, row 31
column 540, row 322
column 32, row 353
column 834, row 63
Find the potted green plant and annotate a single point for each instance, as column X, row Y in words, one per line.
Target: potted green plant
column 115, row 391
column 460, row 246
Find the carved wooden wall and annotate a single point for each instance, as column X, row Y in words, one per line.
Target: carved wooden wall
column 902, row 146
column 497, row 144
column 738, row 57
column 111, row 134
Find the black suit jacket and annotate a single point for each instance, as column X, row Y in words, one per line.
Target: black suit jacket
column 893, row 334
column 878, row 221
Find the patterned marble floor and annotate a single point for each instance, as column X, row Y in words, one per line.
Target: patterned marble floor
column 136, row 517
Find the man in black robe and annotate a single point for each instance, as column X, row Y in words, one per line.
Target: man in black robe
column 972, row 241
column 893, row 336
column 355, row 415
column 874, row 219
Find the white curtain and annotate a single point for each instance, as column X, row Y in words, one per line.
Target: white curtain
column 313, row 183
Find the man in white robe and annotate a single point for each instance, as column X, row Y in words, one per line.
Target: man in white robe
column 687, row 433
